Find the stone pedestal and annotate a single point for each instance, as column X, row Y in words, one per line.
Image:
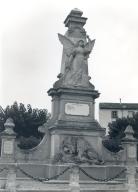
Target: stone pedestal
column 8, row 142
column 73, row 115
column 130, row 145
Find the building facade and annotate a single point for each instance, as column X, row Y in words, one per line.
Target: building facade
column 109, row 112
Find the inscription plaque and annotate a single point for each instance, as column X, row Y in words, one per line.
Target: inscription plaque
column 77, row 109
column 131, row 152
column 8, row 147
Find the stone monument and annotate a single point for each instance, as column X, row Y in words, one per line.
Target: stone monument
column 73, row 95
column 71, row 156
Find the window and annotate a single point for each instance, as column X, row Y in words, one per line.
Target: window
column 114, row 114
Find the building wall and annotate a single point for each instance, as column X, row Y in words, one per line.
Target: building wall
column 105, row 116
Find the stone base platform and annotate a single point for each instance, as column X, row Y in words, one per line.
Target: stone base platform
column 23, row 183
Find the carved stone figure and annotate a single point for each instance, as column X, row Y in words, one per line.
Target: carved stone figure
column 77, row 150
column 76, row 70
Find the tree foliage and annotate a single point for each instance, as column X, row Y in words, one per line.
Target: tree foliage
column 26, row 119
column 117, row 131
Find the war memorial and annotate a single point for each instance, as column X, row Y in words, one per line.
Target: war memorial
column 71, row 156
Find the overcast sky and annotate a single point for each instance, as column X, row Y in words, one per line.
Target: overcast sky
column 30, row 53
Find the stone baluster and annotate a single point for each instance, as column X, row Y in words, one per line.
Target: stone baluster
column 130, row 145
column 74, row 179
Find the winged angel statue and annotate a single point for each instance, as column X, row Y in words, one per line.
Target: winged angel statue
column 76, row 65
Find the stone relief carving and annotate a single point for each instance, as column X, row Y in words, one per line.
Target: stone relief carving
column 74, row 149
column 76, row 65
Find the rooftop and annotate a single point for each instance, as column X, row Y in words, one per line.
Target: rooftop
column 125, row 106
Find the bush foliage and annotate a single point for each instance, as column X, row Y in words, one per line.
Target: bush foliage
column 117, row 131
column 27, row 120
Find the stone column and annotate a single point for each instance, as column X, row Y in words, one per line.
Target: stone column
column 130, row 145
column 8, row 141
column 74, row 179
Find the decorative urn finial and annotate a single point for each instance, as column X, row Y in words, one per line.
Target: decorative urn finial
column 9, row 126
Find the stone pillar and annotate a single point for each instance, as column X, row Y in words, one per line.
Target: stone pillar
column 130, row 145
column 11, row 179
column 74, row 179
column 8, row 154
column 8, row 141
column 131, row 184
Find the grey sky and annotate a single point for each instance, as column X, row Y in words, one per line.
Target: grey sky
column 31, row 53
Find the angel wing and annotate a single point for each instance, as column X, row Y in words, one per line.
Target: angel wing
column 68, row 45
column 90, row 44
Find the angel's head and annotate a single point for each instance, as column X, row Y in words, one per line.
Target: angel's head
column 80, row 43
